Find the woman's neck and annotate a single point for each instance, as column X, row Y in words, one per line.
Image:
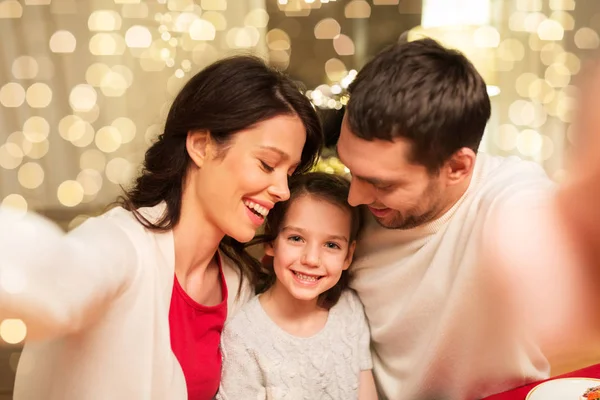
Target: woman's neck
column 297, row 317
column 195, row 237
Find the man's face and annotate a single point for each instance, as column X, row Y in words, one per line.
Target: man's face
column 399, row 194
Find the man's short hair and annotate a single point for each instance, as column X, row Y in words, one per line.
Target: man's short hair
column 424, row 92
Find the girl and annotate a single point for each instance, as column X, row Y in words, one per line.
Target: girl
column 305, row 336
column 131, row 305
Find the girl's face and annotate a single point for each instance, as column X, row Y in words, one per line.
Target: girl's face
column 236, row 186
column 312, row 248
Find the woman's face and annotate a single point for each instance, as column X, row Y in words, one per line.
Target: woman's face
column 236, row 185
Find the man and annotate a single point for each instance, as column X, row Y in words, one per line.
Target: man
column 441, row 327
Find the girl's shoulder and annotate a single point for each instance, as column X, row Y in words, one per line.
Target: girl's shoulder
column 245, row 321
column 350, row 301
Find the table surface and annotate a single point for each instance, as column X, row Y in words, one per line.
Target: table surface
column 521, row 392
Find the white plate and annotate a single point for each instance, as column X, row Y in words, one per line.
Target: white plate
column 562, row 389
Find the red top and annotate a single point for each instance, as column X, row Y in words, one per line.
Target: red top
column 521, row 392
column 195, row 338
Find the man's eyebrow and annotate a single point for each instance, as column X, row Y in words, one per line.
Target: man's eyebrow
column 374, row 181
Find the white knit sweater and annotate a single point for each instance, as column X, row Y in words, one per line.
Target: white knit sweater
column 262, row 361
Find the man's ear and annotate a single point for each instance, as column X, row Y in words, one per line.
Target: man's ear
column 459, row 166
column 198, row 145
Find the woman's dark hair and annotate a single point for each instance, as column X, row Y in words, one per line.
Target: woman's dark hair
column 228, row 96
column 320, row 185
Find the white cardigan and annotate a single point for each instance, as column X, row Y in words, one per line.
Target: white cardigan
column 96, row 304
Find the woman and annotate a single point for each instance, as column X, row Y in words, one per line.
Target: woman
column 131, row 304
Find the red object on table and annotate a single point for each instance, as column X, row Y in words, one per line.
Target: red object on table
column 521, row 392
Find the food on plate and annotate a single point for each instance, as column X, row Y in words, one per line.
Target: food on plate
column 592, row 393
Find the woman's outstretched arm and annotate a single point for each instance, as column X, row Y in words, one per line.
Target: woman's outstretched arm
column 55, row 282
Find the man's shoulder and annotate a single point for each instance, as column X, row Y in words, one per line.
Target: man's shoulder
column 506, row 179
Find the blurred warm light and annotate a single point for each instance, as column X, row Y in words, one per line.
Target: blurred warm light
column 529, row 5
column 357, row 9
column 135, row 11
column 63, row 42
column 559, row 5
column 81, row 133
column 31, row 175
column 91, row 181
column 327, row 28
column 14, row 201
column 202, row 30
column 547, row 150
column 486, row 37
column 11, row 156
column 10, row 9
column 557, row 75
column 119, row 171
column 511, row 50
column 214, row 5
column 258, row 18
column 533, row 21
column 92, row 159
column 104, row 20
column 469, row 32
column 278, row 39
column 126, row 128
column 138, row 37
column 12, row 94
column 529, row 142
column 565, row 19
column 36, row 129
column 217, row 19
column 343, row 45
column 13, row 331
column 46, row 68
column 108, row 139
column 241, row 38
column 444, row 13
column 25, row 67
column 70, row 193
column 83, row 98
column 335, row 69
column 39, row 95
column 587, row 38
column 550, row 30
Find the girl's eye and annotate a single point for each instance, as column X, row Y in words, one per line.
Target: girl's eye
column 295, row 238
column 266, row 166
column 332, row 245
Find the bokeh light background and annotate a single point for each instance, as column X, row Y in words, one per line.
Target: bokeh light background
column 85, row 85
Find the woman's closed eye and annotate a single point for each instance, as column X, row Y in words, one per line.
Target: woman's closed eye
column 266, row 166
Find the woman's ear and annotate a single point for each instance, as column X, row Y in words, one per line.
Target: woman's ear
column 269, row 249
column 198, row 145
column 350, row 255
